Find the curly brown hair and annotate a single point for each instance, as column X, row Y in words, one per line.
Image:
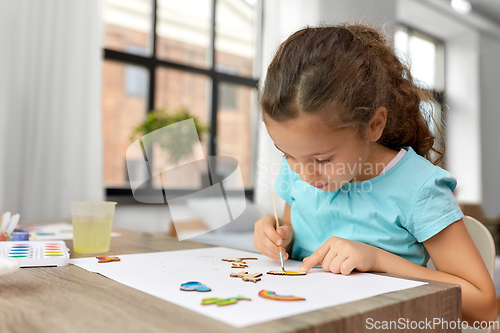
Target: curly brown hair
column 354, row 69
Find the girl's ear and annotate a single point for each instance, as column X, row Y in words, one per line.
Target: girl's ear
column 377, row 124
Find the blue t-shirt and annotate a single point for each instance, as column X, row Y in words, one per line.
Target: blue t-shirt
column 395, row 211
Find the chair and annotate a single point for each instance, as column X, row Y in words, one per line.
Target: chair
column 484, row 242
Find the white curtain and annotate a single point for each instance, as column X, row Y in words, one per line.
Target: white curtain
column 50, row 95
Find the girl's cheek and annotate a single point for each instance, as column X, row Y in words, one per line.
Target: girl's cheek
column 293, row 166
column 300, row 168
column 329, row 171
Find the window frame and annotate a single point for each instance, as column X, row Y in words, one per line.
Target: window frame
column 151, row 62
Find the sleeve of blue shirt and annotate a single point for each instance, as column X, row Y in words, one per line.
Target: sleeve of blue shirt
column 435, row 206
column 284, row 183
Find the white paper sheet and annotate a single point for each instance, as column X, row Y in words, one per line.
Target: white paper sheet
column 162, row 273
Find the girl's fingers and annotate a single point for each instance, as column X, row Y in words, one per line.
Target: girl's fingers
column 285, row 234
column 316, row 258
column 264, row 245
column 347, row 266
column 267, row 238
column 336, row 263
column 329, row 258
column 273, row 250
column 272, row 234
column 267, row 247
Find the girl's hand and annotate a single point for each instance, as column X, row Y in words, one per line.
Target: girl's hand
column 266, row 238
column 340, row 255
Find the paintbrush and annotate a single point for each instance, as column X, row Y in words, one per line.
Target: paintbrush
column 277, row 226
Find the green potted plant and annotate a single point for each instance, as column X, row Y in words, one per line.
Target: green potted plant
column 172, row 141
column 174, row 144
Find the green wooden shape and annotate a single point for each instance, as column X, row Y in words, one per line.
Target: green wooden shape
column 223, row 301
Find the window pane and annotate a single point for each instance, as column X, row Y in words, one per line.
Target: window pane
column 128, row 23
column 183, row 31
column 401, row 45
column 175, row 90
column 423, row 65
column 124, row 103
column 420, row 53
column 235, row 126
column 235, row 37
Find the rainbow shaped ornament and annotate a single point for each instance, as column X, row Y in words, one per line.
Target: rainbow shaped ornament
column 272, row 295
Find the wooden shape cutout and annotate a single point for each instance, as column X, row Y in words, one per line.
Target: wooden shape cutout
column 272, row 295
column 107, row 259
column 239, row 265
column 289, row 273
column 237, row 259
column 194, row 286
column 247, row 277
column 240, row 274
column 223, row 301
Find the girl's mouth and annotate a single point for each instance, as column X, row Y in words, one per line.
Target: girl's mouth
column 321, row 185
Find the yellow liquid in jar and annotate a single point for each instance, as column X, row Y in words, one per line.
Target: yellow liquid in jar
column 91, row 237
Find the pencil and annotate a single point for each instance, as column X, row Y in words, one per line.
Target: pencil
column 277, row 226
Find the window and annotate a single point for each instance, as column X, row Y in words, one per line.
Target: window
column 425, row 57
column 194, row 54
column 136, row 76
column 228, row 96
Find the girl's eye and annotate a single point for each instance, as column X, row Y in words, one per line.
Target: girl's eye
column 285, row 155
column 324, row 161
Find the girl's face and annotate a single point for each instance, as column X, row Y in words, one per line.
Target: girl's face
column 324, row 157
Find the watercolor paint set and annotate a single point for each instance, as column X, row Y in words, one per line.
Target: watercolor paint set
column 36, row 253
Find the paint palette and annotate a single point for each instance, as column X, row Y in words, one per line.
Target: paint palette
column 36, row 253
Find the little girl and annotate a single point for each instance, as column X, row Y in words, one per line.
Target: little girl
column 360, row 191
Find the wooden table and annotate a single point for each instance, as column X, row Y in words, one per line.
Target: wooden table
column 71, row 299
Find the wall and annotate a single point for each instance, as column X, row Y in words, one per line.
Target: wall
column 489, row 55
column 472, row 47
column 463, row 154
column 381, row 13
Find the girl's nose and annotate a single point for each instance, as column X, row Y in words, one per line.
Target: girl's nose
column 308, row 172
